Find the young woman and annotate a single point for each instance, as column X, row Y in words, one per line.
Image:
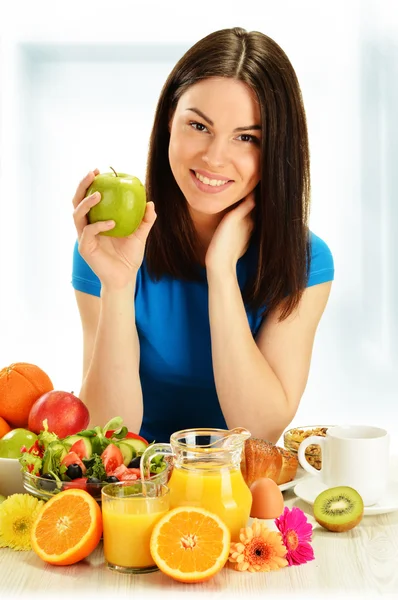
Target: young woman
column 206, row 315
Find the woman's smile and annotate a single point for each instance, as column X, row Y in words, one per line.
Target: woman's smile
column 210, row 186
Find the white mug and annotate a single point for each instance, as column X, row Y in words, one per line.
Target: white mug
column 352, row 455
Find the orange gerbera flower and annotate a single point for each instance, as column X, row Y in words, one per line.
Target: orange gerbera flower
column 259, row 549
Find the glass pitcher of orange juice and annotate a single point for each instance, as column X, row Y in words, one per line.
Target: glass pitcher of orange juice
column 206, row 473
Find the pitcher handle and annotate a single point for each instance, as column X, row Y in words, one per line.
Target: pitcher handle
column 148, row 454
column 312, row 439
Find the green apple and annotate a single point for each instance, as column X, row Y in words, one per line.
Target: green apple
column 123, row 200
column 12, row 442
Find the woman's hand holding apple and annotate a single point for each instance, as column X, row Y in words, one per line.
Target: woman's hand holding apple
column 114, row 260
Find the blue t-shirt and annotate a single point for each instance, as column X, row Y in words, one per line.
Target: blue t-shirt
column 173, row 327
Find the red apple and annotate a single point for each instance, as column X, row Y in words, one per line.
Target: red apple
column 65, row 413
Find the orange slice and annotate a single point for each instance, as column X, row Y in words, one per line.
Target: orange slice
column 190, row 544
column 68, row 528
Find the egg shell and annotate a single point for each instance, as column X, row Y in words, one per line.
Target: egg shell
column 267, row 499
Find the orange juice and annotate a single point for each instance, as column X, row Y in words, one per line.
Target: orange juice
column 221, row 490
column 129, row 514
column 127, row 531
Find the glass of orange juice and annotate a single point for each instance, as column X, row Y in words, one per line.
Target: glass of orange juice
column 129, row 512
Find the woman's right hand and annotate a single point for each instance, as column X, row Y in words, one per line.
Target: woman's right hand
column 115, row 261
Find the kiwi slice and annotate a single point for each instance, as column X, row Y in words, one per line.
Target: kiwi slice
column 338, row 508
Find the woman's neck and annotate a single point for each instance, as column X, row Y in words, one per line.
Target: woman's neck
column 205, row 226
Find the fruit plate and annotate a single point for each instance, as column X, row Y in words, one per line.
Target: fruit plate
column 44, row 489
column 300, row 474
column 309, row 489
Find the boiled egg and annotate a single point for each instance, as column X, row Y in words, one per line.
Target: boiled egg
column 267, row 499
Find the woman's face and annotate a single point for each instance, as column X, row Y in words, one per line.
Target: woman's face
column 214, row 148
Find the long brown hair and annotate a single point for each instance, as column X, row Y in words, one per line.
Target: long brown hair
column 280, row 233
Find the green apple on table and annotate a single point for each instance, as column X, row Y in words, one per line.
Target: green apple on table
column 123, row 200
column 12, row 442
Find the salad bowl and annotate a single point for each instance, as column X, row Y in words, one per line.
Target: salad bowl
column 45, row 489
column 87, row 460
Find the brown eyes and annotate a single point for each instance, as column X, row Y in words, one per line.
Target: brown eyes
column 245, row 137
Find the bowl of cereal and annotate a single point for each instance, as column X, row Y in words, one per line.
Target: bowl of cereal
column 292, row 439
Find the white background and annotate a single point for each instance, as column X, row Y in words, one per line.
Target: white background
column 78, row 89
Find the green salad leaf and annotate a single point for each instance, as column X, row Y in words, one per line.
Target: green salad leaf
column 31, row 463
column 99, row 442
column 45, row 437
column 158, row 464
column 89, row 433
column 120, row 433
column 52, row 459
column 115, row 423
column 95, row 467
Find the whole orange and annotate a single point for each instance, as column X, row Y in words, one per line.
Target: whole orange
column 4, row 427
column 21, row 384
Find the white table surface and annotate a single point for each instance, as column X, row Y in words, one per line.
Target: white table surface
column 362, row 562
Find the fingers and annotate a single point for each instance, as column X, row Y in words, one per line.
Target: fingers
column 244, row 207
column 82, row 209
column 150, row 214
column 87, row 240
column 83, row 187
column 248, row 204
column 147, row 222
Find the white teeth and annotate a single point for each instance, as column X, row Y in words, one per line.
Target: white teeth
column 211, row 182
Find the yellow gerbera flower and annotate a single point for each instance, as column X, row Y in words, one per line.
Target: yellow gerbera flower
column 17, row 515
column 259, row 549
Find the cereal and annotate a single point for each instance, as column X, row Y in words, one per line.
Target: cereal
column 294, row 437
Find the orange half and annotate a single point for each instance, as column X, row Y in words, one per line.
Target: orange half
column 190, row 544
column 68, row 528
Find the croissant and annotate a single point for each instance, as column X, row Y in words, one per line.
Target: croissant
column 263, row 459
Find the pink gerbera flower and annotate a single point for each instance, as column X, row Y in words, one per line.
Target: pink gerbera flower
column 296, row 534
